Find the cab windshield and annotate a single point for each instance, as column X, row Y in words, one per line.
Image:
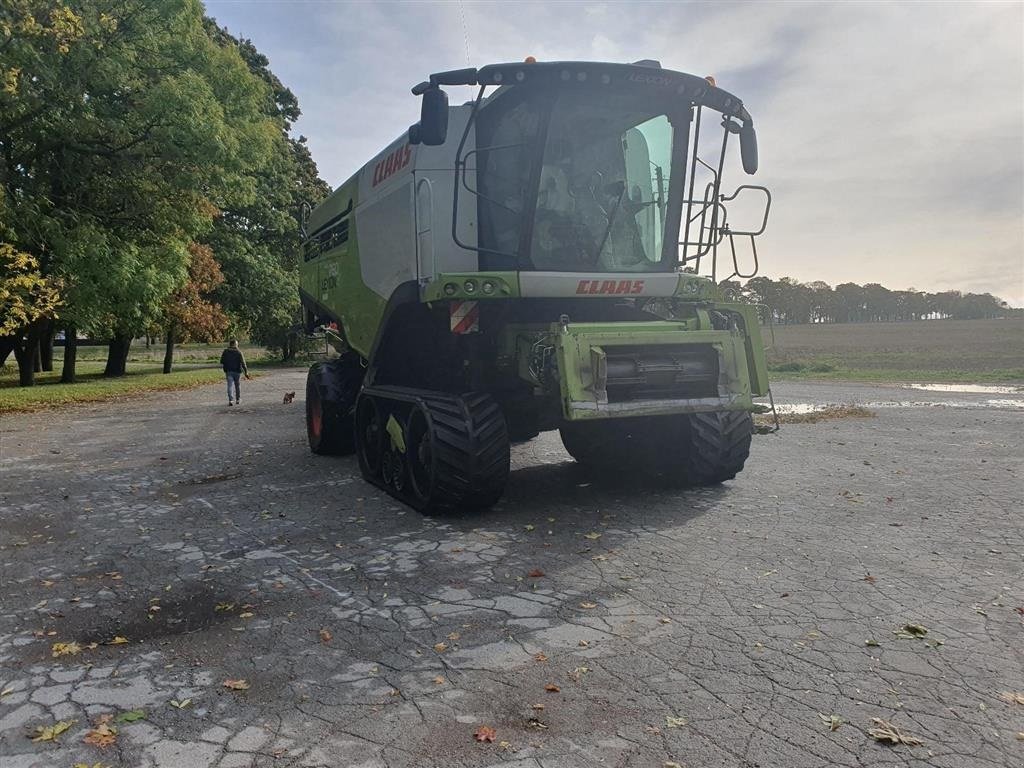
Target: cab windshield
column 577, row 180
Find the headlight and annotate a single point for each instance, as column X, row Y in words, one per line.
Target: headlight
column 469, row 286
column 487, row 287
column 450, row 289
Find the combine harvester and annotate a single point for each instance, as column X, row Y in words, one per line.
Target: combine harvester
column 543, row 257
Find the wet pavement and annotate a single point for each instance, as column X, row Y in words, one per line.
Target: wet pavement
column 165, row 546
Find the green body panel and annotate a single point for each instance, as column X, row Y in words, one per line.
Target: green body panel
column 334, row 280
column 580, row 352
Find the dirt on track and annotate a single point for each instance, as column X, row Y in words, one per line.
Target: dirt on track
column 714, row 627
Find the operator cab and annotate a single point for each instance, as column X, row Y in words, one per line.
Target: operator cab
column 588, row 167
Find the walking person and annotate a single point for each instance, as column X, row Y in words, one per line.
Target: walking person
column 233, row 363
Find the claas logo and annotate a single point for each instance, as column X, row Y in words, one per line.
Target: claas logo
column 391, row 164
column 610, row 287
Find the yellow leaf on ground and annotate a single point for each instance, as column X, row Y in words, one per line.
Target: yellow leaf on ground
column 552, row 688
column 540, row 656
column 593, row 536
column 246, row 615
column 588, row 605
column 66, row 649
column 1012, row 698
column 440, row 647
column 832, row 721
column 236, row 685
column 674, row 722
column 51, row 732
column 118, row 640
column 439, row 680
column 180, row 704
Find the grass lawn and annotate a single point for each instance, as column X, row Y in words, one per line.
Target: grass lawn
column 953, row 351
column 92, row 387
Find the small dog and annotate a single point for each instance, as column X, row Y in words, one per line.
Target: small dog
column 288, row 397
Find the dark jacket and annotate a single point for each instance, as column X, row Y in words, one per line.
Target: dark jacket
column 231, row 361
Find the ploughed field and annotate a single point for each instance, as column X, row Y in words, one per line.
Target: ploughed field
column 937, row 350
column 225, row 598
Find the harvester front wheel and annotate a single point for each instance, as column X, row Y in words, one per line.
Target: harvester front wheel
column 331, row 390
column 689, row 449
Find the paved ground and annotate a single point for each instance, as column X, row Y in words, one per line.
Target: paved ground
column 718, row 627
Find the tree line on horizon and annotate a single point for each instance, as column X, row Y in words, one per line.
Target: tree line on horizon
column 149, row 182
column 787, row 301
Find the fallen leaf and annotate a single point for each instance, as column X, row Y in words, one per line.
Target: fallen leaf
column 540, row 656
column 534, row 722
column 870, row 579
column 453, row 636
column 440, row 647
column 671, row 764
column 583, row 643
column 674, row 722
column 506, row 745
column 538, row 707
column 180, row 704
column 528, row 527
column 588, row 605
column 536, row 573
column 485, row 733
column 552, row 688
column 577, row 673
column 223, row 607
column 326, row 636
column 832, row 721
column 132, row 715
column 86, row 765
column 911, row 630
column 236, row 685
column 102, row 736
column 1012, row 698
column 51, row 732
column 118, row 640
column 6, row 692
column 66, row 649
column 871, row 643
column 665, row 620
column 439, row 680
column 593, row 536
column 246, row 615
column 887, row 732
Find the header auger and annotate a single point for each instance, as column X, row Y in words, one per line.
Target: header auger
column 543, row 257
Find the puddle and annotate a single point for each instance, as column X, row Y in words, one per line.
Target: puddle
column 979, row 389
column 806, row 408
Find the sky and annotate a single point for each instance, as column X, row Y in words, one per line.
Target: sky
column 890, row 134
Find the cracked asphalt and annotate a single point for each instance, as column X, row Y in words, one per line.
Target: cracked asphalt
column 590, row 621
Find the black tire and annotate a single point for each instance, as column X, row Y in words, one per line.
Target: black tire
column 331, row 391
column 457, row 451
column 686, row 449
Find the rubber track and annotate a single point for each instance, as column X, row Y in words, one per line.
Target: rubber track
column 471, row 450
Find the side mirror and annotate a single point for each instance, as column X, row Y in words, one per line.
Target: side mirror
column 748, row 148
column 433, row 126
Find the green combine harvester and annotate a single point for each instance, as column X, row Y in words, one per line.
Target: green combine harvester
column 543, row 257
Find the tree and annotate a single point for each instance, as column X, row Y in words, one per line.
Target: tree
column 126, row 129
column 27, row 301
column 189, row 314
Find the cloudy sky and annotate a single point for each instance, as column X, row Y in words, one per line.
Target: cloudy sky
column 891, row 135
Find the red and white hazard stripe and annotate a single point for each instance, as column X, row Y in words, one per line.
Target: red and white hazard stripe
column 464, row 316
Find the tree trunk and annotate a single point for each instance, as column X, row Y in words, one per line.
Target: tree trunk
column 46, row 345
column 169, row 350
column 67, row 374
column 26, row 352
column 37, row 355
column 117, row 355
column 7, row 344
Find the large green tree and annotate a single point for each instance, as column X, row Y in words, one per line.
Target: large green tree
column 126, row 131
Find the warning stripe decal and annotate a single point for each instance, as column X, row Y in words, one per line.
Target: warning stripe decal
column 465, row 316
